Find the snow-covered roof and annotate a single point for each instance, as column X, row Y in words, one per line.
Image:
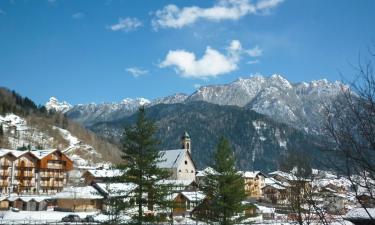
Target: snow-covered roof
column 251, row 174
column 171, row 158
column 182, row 183
column 17, row 153
column 116, row 189
column 275, row 185
column 108, row 173
column 25, row 198
column 193, row 196
column 40, row 154
column 85, row 192
column 287, row 176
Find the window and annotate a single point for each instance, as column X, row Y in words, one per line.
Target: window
column 179, row 171
column 185, row 162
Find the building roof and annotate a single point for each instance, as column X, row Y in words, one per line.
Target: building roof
column 39, row 154
column 108, row 173
column 180, row 183
column 171, row 158
column 115, row 189
column 275, row 185
column 85, row 192
column 193, row 196
column 27, row 198
column 251, row 174
column 186, row 135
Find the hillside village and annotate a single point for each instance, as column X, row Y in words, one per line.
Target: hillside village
column 46, row 184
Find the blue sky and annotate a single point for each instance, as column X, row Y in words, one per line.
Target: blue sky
column 103, row 51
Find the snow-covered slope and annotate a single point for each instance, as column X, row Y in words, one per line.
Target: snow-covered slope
column 54, row 104
column 19, row 133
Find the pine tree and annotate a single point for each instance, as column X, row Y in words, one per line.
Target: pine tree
column 224, row 188
column 1, row 135
column 142, row 156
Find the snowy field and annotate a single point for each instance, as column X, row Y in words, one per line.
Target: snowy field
column 54, row 217
column 36, row 217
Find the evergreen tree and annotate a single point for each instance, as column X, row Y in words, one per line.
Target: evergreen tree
column 224, row 188
column 141, row 155
column 1, row 135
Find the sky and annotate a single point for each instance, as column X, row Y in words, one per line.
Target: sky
column 85, row 51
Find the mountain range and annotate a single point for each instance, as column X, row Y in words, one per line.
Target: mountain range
column 297, row 104
column 264, row 118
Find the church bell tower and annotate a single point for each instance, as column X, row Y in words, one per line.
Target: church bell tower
column 186, row 142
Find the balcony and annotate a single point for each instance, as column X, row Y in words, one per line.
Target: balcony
column 27, row 184
column 25, row 174
column 4, row 183
column 5, row 164
column 55, row 166
column 4, row 173
column 25, row 166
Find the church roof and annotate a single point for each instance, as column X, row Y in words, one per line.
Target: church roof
column 171, row 158
column 186, row 135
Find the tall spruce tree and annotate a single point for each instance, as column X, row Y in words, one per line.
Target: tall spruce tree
column 224, row 188
column 141, row 155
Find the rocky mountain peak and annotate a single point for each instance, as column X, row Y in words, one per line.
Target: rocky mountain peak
column 54, row 104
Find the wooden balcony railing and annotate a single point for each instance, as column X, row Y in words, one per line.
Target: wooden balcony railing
column 4, row 183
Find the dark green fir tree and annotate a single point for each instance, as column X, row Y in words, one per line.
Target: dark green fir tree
column 224, row 188
column 142, row 155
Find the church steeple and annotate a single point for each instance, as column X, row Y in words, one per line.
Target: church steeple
column 186, row 142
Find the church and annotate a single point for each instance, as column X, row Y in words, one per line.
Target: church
column 179, row 161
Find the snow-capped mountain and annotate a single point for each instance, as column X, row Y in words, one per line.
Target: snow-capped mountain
column 172, row 99
column 54, row 104
column 298, row 104
column 88, row 114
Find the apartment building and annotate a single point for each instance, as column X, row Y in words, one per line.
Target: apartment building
column 33, row 172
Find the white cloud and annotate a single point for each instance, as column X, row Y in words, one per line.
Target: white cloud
column 78, row 15
column 212, row 64
column 136, row 72
column 127, row 24
column 171, row 16
column 255, row 52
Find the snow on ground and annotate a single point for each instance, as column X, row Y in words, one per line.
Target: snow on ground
column 20, row 134
column 32, row 216
column 68, row 136
column 81, row 153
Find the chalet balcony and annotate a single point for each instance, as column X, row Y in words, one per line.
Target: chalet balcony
column 25, row 174
column 4, row 173
column 5, row 164
column 27, row 184
column 55, row 166
column 4, row 183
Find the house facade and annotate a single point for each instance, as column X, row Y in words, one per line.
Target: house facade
column 33, row 172
column 254, row 182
